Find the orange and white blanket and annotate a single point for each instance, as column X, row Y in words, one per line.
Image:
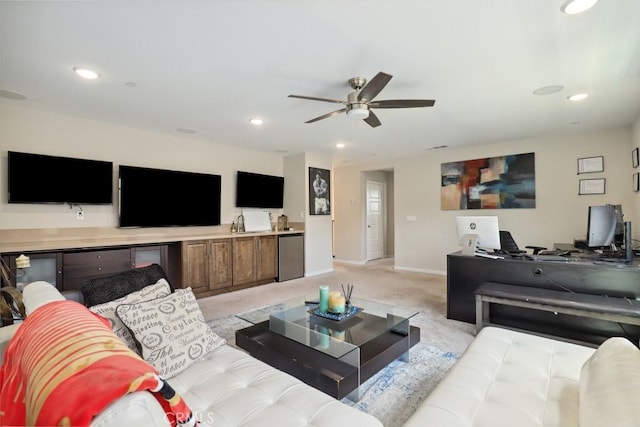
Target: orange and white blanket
column 64, row 366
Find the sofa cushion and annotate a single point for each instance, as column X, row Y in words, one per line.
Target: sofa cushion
column 228, row 387
column 508, row 378
column 108, row 309
column 171, row 331
column 104, row 289
column 609, row 384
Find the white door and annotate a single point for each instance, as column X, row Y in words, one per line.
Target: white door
column 375, row 220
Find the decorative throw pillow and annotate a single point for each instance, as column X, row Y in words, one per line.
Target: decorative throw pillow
column 171, row 331
column 107, row 288
column 609, row 384
column 108, row 310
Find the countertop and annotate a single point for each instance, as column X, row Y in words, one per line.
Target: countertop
column 50, row 239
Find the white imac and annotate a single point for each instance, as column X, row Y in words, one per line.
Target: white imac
column 478, row 232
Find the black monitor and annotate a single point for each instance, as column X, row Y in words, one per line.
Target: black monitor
column 602, row 226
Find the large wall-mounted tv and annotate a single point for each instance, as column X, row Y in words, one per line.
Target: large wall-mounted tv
column 167, row 198
column 255, row 190
column 40, row 178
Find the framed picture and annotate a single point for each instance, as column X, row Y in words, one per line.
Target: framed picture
column 591, row 164
column 319, row 191
column 634, row 158
column 592, row 186
column 636, row 181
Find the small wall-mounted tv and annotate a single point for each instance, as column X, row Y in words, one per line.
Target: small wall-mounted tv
column 255, row 190
column 167, row 198
column 41, row 178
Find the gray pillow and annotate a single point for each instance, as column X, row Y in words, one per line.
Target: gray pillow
column 108, row 288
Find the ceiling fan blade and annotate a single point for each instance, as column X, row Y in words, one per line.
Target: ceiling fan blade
column 371, row 89
column 326, row 116
column 314, row 98
column 372, row 120
column 402, row 103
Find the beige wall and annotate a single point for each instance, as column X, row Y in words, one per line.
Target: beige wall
column 318, row 229
column 31, row 131
column 560, row 214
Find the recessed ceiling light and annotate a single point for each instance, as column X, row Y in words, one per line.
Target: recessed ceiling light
column 340, row 145
column 12, row 95
column 186, row 130
column 85, row 73
column 577, row 96
column 548, row 90
column 572, row 7
column 256, row 121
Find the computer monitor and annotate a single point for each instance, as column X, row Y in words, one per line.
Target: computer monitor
column 601, row 226
column 485, row 228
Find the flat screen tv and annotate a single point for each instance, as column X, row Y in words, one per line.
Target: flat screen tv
column 40, row 178
column 167, row 198
column 255, row 190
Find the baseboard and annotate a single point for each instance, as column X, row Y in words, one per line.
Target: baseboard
column 318, row 273
column 344, row 261
column 420, row 270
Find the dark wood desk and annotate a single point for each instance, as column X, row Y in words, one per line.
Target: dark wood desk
column 466, row 273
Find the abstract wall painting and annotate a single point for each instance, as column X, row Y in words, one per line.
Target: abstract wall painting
column 504, row 182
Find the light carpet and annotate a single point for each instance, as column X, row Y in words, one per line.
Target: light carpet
column 394, row 393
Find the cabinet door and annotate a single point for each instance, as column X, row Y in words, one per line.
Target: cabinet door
column 195, row 265
column 267, row 257
column 244, row 260
column 143, row 256
column 220, row 263
column 44, row 266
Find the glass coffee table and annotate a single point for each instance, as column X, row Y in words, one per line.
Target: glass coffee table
column 335, row 356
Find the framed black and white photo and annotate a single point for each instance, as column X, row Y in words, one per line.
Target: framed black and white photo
column 634, row 157
column 591, row 164
column 319, row 191
column 636, row 182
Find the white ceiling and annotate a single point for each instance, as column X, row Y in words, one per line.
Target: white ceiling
column 211, row 65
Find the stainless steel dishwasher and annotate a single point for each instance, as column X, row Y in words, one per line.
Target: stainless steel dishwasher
column 290, row 256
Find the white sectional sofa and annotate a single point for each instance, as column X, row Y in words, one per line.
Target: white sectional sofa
column 224, row 388
column 507, row 379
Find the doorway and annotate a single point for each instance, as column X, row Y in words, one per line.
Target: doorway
column 375, row 220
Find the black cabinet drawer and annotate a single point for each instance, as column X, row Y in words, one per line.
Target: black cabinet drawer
column 96, row 257
column 89, row 271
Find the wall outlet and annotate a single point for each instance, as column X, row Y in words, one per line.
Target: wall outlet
column 80, row 215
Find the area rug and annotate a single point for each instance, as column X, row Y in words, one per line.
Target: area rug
column 394, row 393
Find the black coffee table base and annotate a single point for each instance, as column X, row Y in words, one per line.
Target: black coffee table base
column 319, row 370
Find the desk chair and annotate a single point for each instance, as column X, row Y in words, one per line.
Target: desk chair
column 509, row 246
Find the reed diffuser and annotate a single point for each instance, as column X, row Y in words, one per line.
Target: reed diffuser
column 347, row 293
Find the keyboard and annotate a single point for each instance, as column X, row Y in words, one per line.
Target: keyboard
column 547, row 258
column 486, row 255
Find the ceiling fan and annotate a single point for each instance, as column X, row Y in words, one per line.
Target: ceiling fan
column 360, row 102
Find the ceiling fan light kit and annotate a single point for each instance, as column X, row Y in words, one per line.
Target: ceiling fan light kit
column 358, row 111
column 360, row 102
